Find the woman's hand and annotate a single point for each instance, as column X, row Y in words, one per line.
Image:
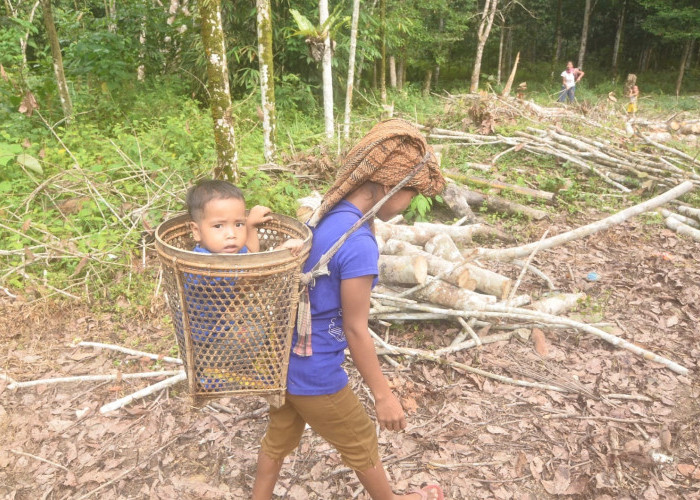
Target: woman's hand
column 354, row 297
column 390, row 413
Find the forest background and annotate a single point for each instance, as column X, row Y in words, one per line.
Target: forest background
column 107, row 108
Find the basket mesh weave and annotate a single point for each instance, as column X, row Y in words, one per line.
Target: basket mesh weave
column 233, row 314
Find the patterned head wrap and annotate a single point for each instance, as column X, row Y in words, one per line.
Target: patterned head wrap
column 385, row 155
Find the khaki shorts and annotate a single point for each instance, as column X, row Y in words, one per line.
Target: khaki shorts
column 338, row 418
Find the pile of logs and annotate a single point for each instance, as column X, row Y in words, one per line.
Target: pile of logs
column 621, row 168
column 431, row 272
column 663, row 131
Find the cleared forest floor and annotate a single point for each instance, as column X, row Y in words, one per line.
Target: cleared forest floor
column 632, row 430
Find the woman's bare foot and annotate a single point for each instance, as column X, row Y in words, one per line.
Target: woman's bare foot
column 429, row 492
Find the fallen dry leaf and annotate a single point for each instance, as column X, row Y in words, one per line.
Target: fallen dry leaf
column 538, row 338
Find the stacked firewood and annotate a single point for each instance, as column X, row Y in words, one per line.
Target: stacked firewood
column 431, row 271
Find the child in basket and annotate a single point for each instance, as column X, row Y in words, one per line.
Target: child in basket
column 220, row 226
column 317, row 385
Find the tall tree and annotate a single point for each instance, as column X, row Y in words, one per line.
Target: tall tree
column 557, row 38
column 51, row 34
column 676, row 21
column 382, row 36
column 351, row 67
column 618, row 36
column 219, row 92
column 327, row 72
column 584, row 33
column 483, row 32
column 267, row 80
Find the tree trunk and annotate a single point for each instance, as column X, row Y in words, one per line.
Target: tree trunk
column 111, row 13
column 681, row 70
column 689, row 59
column 141, row 70
column 375, row 72
column 500, row 52
column 382, row 38
column 66, row 103
column 427, row 82
column 584, row 33
column 267, row 79
column 618, row 37
column 487, row 16
column 351, row 67
column 400, row 73
column 557, row 38
column 327, row 73
column 24, row 39
column 219, row 92
column 509, row 83
column 392, row 72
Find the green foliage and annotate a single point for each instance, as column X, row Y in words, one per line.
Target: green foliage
column 420, row 208
column 329, row 27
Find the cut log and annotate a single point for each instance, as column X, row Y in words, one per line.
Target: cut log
column 457, row 203
column 489, row 282
column 684, row 229
column 443, row 246
column 536, row 193
column 689, row 211
column 445, row 294
column 560, row 239
column 421, row 232
column 685, row 220
column 403, row 269
column 476, row 199
column 436, row 265
column 557, row 304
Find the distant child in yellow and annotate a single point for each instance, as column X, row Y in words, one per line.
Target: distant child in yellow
column 632, row 91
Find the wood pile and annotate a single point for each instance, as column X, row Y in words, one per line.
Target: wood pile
column 434, row 272
column 619, row 167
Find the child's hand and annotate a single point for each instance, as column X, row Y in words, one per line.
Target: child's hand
column 293, row 245
column 258, row 215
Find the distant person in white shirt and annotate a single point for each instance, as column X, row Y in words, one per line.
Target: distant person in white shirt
column 569, row 78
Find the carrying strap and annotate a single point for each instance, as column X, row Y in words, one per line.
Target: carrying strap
column 303, row 344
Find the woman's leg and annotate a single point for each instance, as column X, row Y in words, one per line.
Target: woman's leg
column 266, row 476
column 283, row 434
column 562, row 94
column 572, row 94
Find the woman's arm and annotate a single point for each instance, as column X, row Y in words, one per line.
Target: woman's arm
column 354, row 298
column 580, row 75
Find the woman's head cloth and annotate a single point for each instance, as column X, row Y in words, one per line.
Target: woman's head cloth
column 386, row 155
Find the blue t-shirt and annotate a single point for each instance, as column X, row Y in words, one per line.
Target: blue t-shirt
column 322, row 373
column 207, row 299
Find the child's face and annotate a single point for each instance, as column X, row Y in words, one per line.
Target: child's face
column 396, row 204
column 222, row 228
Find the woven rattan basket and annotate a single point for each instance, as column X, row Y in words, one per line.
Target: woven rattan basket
column 233, row 314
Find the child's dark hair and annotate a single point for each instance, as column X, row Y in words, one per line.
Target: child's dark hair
column 207, row 190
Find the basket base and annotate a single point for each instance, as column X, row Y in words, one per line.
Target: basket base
column 275, row 398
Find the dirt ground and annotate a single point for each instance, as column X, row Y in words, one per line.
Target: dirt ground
column 631, row 429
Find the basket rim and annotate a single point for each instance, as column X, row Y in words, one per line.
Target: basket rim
column 279, row 256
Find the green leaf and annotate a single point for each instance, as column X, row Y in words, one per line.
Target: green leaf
column 7, row 152
column 306, row 28
column 31, row 163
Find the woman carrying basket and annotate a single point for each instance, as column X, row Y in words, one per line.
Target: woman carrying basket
column 317, row 385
